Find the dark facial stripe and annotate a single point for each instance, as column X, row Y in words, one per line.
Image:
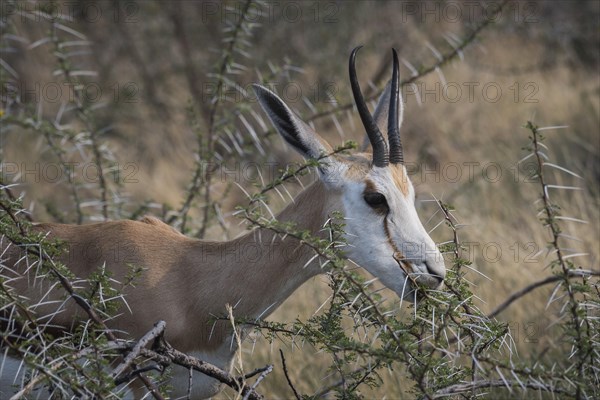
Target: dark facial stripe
column 398, row 256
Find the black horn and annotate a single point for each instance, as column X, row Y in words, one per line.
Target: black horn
column 380, row 150
column 396, row 156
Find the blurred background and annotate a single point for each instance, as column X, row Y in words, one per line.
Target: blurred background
column 166, row 90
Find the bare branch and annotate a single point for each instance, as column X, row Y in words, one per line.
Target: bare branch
column 499, row 383
column 287, row 376
column 165, row 353
column 529, row 288
column 262, row 376
column 158, row 329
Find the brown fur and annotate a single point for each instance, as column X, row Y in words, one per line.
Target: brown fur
column 185, row 281
column 369, row 186
column 400, row 178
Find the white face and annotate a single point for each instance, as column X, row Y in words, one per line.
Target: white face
column 384, row 232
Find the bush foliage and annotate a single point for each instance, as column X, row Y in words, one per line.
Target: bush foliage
column 444, row 345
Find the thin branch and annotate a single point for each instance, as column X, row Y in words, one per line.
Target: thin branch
column 204, row 175
column 287, row 376
column 262, row 376
column 499, row 383
column 294, row 173
column 256, row 372
column 213, row 113
column 13, row 218
column 13, row 199
column 85, row 117
column 151, row 386
column 529, row 288
column 551, row 212
column 157, row 330
column 338, row 383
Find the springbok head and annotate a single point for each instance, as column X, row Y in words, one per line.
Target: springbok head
column 383, row 230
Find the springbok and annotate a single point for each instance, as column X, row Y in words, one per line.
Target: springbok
column 188, row 281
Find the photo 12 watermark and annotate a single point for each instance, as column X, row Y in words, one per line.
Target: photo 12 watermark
column 69, row 172
column 468, row 11
column 62, row 92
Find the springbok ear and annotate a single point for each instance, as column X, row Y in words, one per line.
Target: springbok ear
column 381, row 114
column 295, row 131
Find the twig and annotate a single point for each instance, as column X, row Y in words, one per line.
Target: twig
column 213, row 113
column 45, row 128
column 262, row 376
column 457, row 249
column 201, row 174
column 256, row 372
column 12, row 198
column 176, row 15
column 85, row 117
column 59, row 153
column 501, row 383
column 520, row 293
column 287, row 175
column 550, row 221
column 448, row 217
column 13, row 218
column 157, row 330
column 340, row 382
column 287, row 376
column 190, row 383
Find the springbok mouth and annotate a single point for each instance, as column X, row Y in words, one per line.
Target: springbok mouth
column 417, row 278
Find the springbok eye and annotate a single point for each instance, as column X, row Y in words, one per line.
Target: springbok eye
column 376, row 200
